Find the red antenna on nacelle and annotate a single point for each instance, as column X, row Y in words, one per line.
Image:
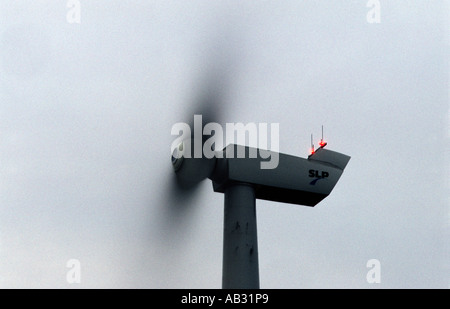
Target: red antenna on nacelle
column 322, row 143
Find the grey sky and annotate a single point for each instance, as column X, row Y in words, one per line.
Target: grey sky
column 86, row 111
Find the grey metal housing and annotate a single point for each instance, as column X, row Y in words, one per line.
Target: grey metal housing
column 295, row 180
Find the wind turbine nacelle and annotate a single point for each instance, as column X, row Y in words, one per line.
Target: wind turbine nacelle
column 294, row 180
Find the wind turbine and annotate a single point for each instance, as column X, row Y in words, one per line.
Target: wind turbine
column 296, row 180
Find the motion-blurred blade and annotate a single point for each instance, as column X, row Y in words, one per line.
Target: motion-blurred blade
column 210, row 102
column 210, row 99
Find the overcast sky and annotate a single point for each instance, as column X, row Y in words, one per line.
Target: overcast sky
column 86, row 110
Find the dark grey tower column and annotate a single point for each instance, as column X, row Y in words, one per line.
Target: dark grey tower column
column 240, row 242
